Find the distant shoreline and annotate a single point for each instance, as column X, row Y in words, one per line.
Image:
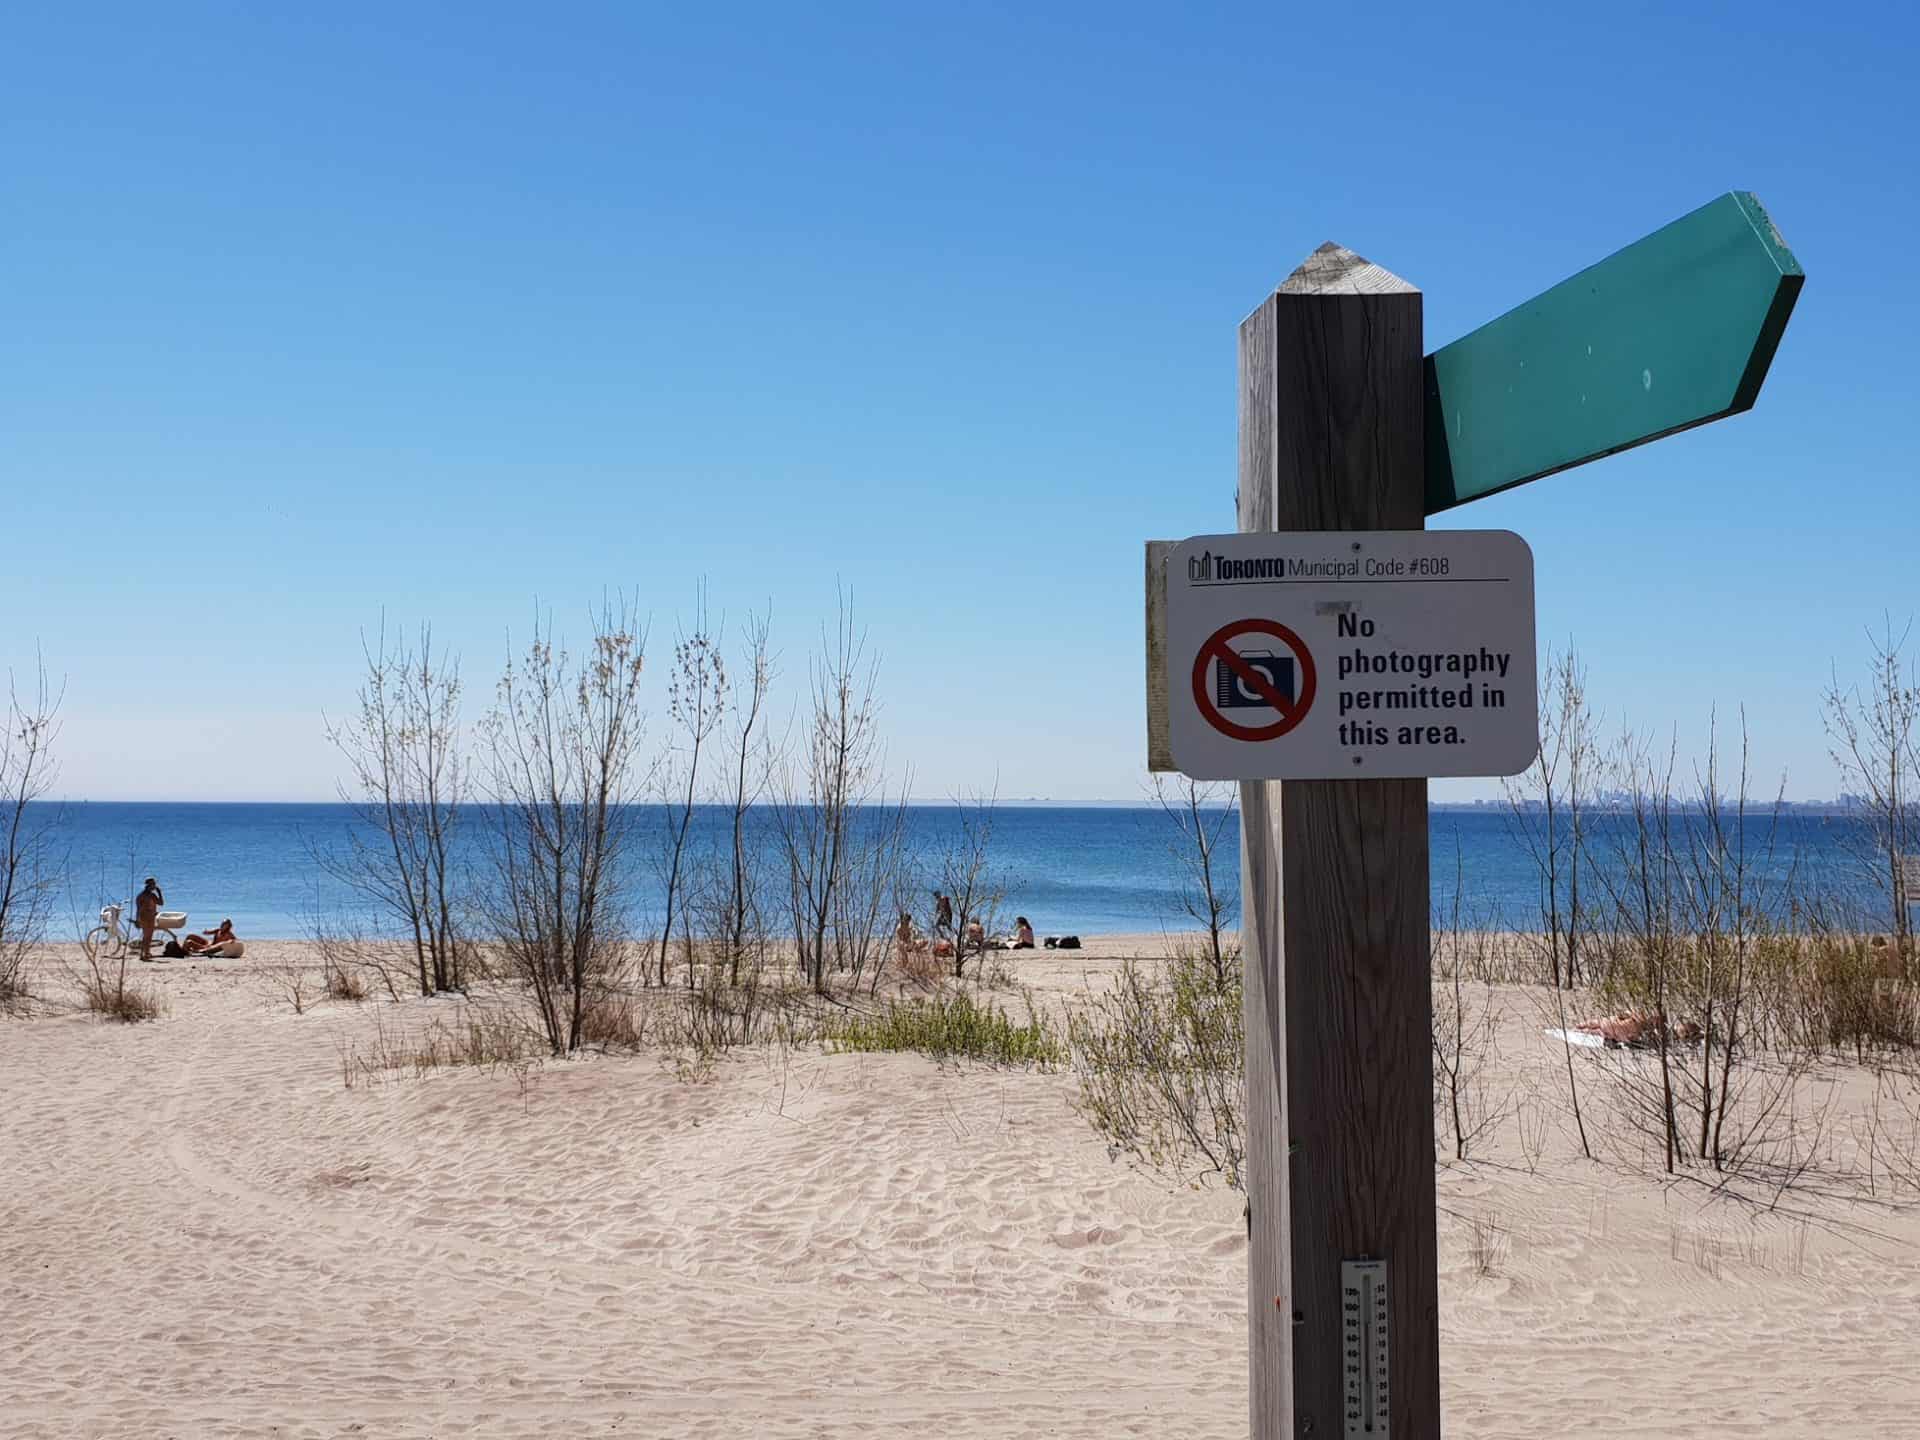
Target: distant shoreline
column 1813, row 809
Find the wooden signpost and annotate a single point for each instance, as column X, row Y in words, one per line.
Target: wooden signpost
column 1344, row 427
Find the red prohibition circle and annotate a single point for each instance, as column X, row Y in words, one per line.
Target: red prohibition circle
column 1216, row 648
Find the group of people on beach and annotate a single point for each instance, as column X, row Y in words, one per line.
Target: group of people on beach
column 907, row 941
column 222, row 944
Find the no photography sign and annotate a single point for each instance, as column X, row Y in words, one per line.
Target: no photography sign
column 1345, row 655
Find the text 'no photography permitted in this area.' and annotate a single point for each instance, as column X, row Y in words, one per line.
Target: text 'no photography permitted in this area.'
column 1340, row 655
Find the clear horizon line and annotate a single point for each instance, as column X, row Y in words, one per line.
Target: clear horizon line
column 1145, row 801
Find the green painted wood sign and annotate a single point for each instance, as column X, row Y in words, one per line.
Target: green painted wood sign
column 1674, row 331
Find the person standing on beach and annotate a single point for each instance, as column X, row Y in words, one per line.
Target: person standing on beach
column 146, row 912
column 942, row 914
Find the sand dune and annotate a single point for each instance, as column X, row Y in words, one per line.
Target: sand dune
column 203, row 1232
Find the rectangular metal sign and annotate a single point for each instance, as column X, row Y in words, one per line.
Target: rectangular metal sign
column 1910, row 877
column 1347, row 655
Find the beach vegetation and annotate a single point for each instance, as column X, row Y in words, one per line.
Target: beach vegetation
column 31, row 862
column 731, row 901
column 105, row 993
column 487, row 1036
column 1548, row 806
column 564, row 768
column 840, row 834
column 1201, row 813
column 950, row 1026
column 406, row 785
column 344, row 983
column 1873, row 728
column 964, row 870
column 1465, row 1031
column 696, row 707
column 1161, row 1061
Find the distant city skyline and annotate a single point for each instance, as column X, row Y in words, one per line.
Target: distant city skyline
column 452, row 314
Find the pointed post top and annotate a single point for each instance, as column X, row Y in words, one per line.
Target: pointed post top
column 1335, row 270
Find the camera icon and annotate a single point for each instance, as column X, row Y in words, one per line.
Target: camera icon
column 1231, row 692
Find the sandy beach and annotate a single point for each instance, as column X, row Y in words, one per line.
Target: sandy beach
column 205, row 1232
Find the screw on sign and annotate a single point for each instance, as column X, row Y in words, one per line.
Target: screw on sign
column 1253, row 680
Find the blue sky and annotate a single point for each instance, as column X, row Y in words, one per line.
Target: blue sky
column 310, row 312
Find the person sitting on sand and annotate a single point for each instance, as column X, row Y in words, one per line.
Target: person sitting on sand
column 976, row 935
column 1022, row 933
column 194, row 944
column 146, row 914
column 905, row 942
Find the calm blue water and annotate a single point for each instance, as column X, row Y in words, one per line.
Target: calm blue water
column 1086, row 870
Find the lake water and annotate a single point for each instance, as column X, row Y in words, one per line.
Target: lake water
column 1086, row 869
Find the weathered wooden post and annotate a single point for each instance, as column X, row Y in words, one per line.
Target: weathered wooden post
column 1332, row 655
column 1334, row 883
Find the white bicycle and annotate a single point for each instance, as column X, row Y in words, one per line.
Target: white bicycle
column 111, row 939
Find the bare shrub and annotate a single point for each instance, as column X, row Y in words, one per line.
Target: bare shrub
column 1874, row 730
column 1549, row 807
column 1688, row 945
column 696, row 705
column 30, row 866
column 1161, row 1060
column 406, row 788
column 1201, row 813
column 564, row 771
column 734, row 913
column 1465, row 1040
column 843, row 842
column 350, row 949
column 965, row 872
column 1891, row 1139
column 294, row 983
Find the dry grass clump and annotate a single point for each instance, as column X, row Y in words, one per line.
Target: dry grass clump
column 613, row 1020
column 1487, row 1242
column 489, row 1037
column 116, row 1000
column 1849, row 997
column 345, row 984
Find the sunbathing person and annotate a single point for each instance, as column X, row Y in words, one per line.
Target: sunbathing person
column 222, row 945
column 905, row 941
column 194, row 944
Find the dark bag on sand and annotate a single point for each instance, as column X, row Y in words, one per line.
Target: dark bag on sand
column 1050, row 942
column 173, row 951
column 1069, row 942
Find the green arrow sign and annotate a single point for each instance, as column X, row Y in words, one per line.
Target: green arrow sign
column 1674, row 331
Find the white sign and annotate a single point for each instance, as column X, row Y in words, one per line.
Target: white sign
column 1351, row 655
